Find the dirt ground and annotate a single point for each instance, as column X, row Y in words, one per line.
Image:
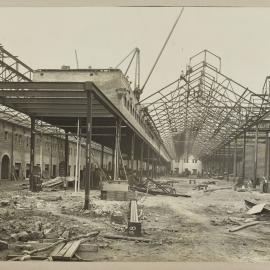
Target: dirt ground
column 181, row 229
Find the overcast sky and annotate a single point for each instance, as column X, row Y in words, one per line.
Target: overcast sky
column 47, row 37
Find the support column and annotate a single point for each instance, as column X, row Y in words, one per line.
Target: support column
column 266, row 158
column 66, row 154
column 244, row 157
column 102, row 157
column 12, row 154
column 88, row 149
column 228, row 161
column 154, row 167
column 32, row 153
column 256, row 156
column 141, row 162
column 77, row 156
column 51, row 157
column 235, row 160
column 132, row 151
column 117, row 149
column 147, row 164
column 41, row 154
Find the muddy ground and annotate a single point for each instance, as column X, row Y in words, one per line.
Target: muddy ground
column 181, row 229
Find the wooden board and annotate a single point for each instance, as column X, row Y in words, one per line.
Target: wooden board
column 57, row 249
column 73, row 248
column 61, row 253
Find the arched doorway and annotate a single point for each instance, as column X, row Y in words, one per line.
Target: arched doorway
column 5, row 167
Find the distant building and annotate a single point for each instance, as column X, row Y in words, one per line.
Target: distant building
column 15, row 153
column 190, row 163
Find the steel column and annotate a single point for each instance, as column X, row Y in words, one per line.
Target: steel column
column 235, row 159
column 88, row 150
column 255, row 156
column 32, row 153
column 12, row 154
column 141, row 162
column 266, row 164
column 132, row 151
column 147, row 164
column 66, row 155
column 244, row 157
column 102, row 157
column 117, row 149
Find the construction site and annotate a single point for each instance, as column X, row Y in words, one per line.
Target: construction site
column 94, row 168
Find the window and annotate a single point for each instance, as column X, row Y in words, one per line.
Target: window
column 6, row 135
column 20, row 139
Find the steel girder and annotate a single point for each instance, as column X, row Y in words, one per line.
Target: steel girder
column 14, row 70
column 204, row 110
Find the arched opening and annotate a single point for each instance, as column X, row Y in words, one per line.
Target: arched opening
column 5, row 167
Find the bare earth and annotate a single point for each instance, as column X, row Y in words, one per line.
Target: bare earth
column 181, row 229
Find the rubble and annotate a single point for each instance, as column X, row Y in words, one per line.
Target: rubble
column 3, row 245
column 167, row 225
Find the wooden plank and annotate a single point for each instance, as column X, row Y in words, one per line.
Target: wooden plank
column 120, row 237
column 244, row 226
column 73, row 248
column 57, row 249
column 60, row 254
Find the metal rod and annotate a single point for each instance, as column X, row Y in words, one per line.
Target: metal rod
column 77, row 61
column 162, row 49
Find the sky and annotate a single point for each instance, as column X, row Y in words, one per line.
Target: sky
column 102, row 36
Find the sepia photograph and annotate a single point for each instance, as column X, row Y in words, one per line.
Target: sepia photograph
column 134, row 133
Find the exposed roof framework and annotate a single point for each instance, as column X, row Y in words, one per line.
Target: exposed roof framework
column 204, row 110
column 12, row 69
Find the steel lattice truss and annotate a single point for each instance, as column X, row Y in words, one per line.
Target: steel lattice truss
column 14, row 70
column 204, row 110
